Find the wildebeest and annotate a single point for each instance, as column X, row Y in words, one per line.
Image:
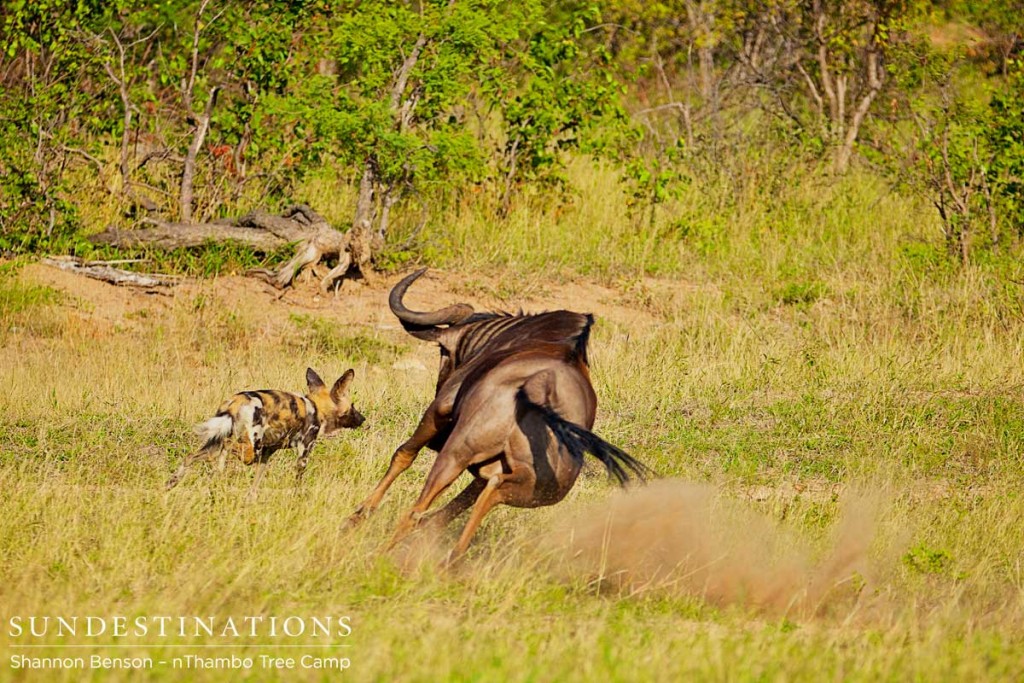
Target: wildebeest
column 514, row 406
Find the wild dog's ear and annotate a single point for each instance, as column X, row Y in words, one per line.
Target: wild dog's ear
column 313, row 380
column 341, row 386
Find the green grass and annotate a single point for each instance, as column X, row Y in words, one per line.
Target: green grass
column 17, row 297
column 26, row 308
column 323, row 336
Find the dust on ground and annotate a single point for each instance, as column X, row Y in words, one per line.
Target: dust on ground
column 686, row 538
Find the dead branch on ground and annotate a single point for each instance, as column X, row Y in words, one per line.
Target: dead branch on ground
column 316, row 240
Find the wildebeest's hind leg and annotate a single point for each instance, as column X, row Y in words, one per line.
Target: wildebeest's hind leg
column 446, row 470
column 499, row 487
column 430, row 424
column 487, row 500
column 439, row 519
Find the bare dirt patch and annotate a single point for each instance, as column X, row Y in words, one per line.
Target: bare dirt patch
column 357, row 302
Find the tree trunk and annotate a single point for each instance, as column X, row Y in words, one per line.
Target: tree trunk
column 364, row 240
column 361, row 247
column 188, row 173
column 874, row 85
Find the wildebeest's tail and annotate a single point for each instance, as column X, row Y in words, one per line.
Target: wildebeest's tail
column 580, row 441
column 584, row 338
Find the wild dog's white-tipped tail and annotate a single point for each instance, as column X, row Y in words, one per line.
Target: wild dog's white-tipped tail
column 215, row 429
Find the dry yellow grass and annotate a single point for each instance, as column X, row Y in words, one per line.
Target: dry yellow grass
column 789, row 370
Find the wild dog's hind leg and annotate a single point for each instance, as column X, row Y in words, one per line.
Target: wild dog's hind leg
column 249, row 430
column 261, row 467
column 190, row 459
column 250, row 424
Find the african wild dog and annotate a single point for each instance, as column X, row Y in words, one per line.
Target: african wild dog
column 258, row 423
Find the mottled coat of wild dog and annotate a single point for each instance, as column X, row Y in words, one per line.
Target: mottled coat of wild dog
column 256, row 424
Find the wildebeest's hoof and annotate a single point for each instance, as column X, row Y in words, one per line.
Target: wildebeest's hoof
column 356, row 517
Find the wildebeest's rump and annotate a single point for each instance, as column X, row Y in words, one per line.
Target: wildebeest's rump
column 514, row 406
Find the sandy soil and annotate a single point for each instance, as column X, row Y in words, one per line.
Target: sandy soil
column 357, row 302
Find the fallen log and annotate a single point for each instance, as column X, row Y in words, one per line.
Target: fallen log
column 178, row 235
column 315, row 240
column 99, row 270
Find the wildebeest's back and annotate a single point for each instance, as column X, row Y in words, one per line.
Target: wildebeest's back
column 499, row 332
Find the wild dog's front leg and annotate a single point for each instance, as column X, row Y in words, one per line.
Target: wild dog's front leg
column 303, row 459
column 261, row 466
column 261, row 456
column 432, row 422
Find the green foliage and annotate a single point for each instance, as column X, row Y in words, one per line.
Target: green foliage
column 555, row 111
column 1005, row 135
column 218, row 258
column 429, row 97
column 924, row 258
column 926, row 560
column 1000, row 20
column 17, row 297
column 653, row 179
column 26, row 308
column 482, row 104
column 38, row 38
column 800, row 293
column 961, row 148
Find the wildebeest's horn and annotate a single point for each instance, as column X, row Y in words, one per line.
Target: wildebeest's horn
column 444, row 316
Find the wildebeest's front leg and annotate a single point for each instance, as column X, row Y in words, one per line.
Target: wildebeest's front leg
column 433, row 421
